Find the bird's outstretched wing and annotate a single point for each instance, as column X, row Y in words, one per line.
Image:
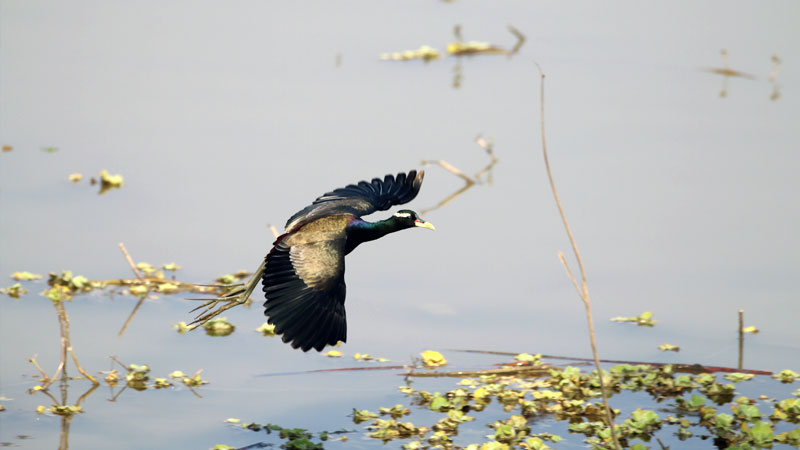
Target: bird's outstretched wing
column 361, row 199
column 304, row 286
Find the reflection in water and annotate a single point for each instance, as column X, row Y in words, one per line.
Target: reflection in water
column 773, row 75
column 478, row 178
column 61, row 406
column 457, row 74
column 58, row 294
column 66, row 344
column 460, row 48
column 727, row 72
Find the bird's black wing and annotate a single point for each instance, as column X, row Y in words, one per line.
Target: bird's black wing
column 305, row 291
column 361, row 199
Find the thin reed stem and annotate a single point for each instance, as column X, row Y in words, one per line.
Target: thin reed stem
column 583, row 289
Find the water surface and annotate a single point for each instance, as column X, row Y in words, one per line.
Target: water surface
column 225, row 119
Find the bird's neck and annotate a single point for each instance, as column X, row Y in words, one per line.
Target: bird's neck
column 360, row 231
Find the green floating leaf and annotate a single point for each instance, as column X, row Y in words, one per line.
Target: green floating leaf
column 166, row 288
column 439, row 404
column 791, row 438
column 786, row 376
column 760, row 434
column 162, row 383
column 424, row 53
column 751, row 329
column 139, row 290
column 194, row 380
column 669, row 348
column 739, row 377
column 108, row 181
column 25, row 276
column 268, row 329
column 643, row 320
column 14, row 291
column 526, row 357
column 395, row 411
column 172, row 267
column 474, row 48
column 219, row 327
column 433, row 358
column 362, row 415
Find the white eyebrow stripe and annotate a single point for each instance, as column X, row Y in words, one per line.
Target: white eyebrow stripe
column 402, row 214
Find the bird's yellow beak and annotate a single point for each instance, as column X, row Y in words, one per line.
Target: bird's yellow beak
column 428, row 225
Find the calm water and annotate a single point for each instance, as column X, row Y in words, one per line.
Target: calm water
column 225, row 120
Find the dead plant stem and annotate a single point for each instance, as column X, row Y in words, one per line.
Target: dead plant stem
column 130, row 260
column 583, row 289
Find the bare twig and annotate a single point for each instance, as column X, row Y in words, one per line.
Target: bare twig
column 180, row 286
column 691, row 368
column 447, row 199
column 142, row 281
column 520, row 40
column 450, row 168
column 274, row 230
column 469, row 181
column 130, row 316
column 80, row 369
column 773, row 78
column 141, row 300
column 130, row 260
column 563, row 260
column 32, row 360
column 583, row 289
column 66, row 340
column 116, row 360
column 488, row 146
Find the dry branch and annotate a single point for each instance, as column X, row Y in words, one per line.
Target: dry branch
column 583, row 289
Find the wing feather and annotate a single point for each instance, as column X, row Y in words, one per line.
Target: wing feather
column 361, row 199
column 305, row 291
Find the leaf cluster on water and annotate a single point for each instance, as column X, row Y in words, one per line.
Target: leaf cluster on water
column 697, row 410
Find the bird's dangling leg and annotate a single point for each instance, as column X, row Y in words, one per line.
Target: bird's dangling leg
column 234, row 297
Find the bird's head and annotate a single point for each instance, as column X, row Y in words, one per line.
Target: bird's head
column 411, row 219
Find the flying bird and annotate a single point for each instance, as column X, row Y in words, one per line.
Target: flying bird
column 303, row 279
